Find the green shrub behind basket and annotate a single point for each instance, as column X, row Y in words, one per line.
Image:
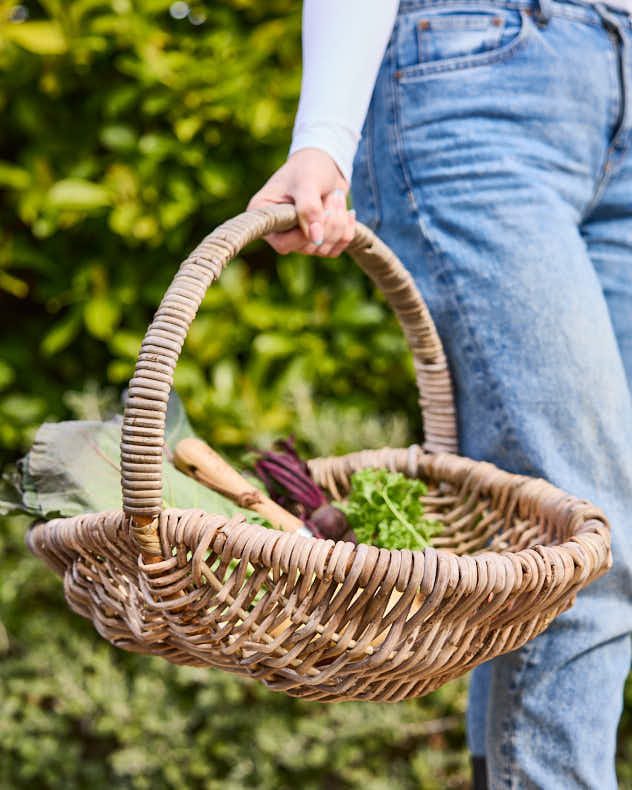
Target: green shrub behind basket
column 127, row 135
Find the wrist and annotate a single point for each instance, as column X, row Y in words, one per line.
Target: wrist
column 339, row 142
column 324, row 158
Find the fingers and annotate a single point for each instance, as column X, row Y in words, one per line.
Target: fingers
column 312, row 181
column 325, row 225
column 310, row 212
column 335, row 204
column 330, row 227
column 339, row 230
column 290, row 241
column 347, row 236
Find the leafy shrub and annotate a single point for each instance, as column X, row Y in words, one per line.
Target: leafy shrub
column 127, row 136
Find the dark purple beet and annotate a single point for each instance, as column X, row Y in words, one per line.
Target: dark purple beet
column 330, row 522
column 350, row 537
column 289, row 482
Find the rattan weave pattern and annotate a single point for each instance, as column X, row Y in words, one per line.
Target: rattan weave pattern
column 322, row 620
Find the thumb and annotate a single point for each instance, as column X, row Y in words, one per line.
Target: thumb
column 311, row 215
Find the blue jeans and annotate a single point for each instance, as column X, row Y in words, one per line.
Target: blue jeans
column 496, row 161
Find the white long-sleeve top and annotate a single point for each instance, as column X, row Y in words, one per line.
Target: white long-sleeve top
column 343, row 45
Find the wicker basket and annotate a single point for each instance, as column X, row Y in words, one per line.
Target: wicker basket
column 316, row 619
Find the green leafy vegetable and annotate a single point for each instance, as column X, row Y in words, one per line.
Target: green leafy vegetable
column 384, row 509
column 74, row 467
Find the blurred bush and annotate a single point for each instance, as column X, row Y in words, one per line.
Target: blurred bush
column 130, row 129
column 128, row 134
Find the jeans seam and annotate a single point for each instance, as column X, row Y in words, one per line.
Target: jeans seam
column 615, row 96
column 434, row 249
column 510, row 724
column 608, row 168
column 578, row 13
column 603, row 180
column 425, row 232
column 372, row 179
column 614, row 28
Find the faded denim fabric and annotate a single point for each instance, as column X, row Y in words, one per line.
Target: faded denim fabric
column 496, row 162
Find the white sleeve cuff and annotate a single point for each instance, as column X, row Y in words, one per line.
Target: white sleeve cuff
column 337, row 140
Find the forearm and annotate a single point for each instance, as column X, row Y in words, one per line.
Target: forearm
column 343, row 46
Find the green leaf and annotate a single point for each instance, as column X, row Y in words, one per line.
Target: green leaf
column 41, row 37
column 384, row 509
column 74, row 467
column 13, row 285
column 155, row 145
column 351, row 311
column 187, row 128
column 296, row 272
column 62, row 334
column 118, row 137
column 78, row 194
column 10, row 493
column 177, row 425
column 22, row 408
column 7, row 374
column 13, row 176
column 214, row 180
column 126, row 343
column 273, row 344
column 120, row 370
column 101, row 315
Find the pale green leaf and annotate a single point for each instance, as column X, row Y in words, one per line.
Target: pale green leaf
column 78, row 194
column 42, row 37
column 102, row 316
column 118, row 137
column 74, row 467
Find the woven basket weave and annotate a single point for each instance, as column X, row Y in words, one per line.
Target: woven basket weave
column 317, row 619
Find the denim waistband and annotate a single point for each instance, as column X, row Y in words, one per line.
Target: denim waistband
column 575, row 9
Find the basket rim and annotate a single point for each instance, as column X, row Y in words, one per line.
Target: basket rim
column 588, row 538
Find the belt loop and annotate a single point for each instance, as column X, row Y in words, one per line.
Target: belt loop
column 543, row 12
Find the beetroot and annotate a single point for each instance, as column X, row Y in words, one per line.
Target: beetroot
column 329, row 522
column 290, row 484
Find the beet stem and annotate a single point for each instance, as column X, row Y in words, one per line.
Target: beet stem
column 304, row 490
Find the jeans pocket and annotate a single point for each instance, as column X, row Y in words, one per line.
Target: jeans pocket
column 447, row 38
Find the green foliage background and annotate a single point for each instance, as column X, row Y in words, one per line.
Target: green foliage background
column 126, row 136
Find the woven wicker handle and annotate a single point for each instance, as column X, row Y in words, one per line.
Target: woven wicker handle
column 144, row 419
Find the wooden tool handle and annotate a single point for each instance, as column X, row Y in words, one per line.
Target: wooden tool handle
column 196, row 459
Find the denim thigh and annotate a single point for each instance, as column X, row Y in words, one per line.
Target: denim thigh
column 482, row 165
